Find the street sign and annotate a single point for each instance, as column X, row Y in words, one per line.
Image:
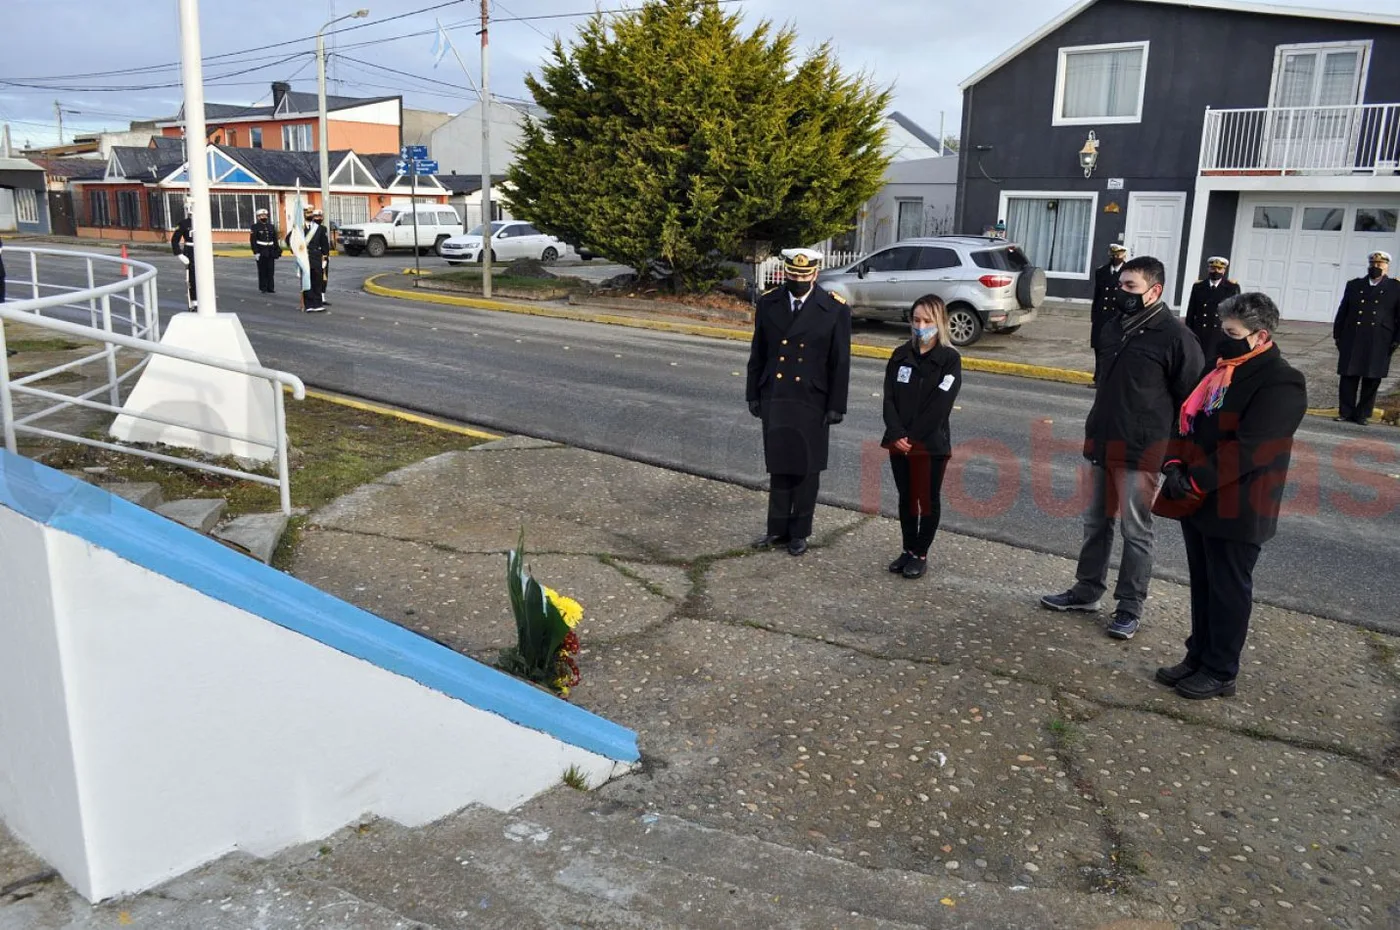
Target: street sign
column 414, row 151
column 425, row 166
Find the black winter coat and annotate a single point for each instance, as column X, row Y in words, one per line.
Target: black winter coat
column 1144, row 376
column 920, row 390
column 799, row 370
column 1102, row 310
column 1367, row 327
column 1203, row 315
column 1238, row 456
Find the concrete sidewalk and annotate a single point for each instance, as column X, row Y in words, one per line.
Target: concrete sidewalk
column 826, row 744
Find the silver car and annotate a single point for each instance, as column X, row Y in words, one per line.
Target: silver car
column 988, row 284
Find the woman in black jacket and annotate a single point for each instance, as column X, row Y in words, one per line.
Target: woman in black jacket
column 1223, row 479
column 921, row 384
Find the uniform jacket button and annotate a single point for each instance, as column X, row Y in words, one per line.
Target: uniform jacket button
column 798, row 378
column 782, row 358
column 784, row 342
column 780, row 376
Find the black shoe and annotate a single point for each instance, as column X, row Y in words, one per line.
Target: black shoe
column 769, row 541
column 1341, row 419
column 1068, row 601
column 916, row 567
column 797, row 545
column 1123, row 625
column 1203, row 684
column 1174, row 675
column 1362, row 421
column 898, row 564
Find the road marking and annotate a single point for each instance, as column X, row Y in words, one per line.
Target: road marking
column 369, row 407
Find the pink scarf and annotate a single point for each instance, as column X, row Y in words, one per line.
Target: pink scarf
column 1209, row 395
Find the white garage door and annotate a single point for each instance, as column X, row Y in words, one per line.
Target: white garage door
column 1301, row 252
column 7, row 210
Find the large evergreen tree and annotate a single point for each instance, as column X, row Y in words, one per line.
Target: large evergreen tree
column 671, row 140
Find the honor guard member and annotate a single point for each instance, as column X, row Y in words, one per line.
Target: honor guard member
column 1102, row 310
column 799, row 375
column 1366, row 331
column 318, row 252
column 1202, row 311
column 182, row 244
column 262, row 238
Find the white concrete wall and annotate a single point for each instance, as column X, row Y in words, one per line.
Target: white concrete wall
column 38, row 782
column 456, row 145
column 385, row 113
column 196, row 728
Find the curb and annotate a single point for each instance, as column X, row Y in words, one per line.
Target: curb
column 382, row 410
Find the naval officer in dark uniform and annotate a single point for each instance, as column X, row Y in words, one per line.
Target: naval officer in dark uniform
column 182, row 244
column 1366, row 331
column 798, row 378
column 1103, row 310
column 262, row 238
column 1203, row 309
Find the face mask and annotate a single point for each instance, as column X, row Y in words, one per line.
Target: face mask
column 1216, row 275
column 1126, row 303
column 799, row 289
column 1233, row 348
column 923, row 334
column 1374, row 270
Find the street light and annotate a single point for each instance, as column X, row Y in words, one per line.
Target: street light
column 321, row 109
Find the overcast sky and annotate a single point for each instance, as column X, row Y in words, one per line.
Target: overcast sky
column 924, row 48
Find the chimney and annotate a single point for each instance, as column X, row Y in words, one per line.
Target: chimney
column 280, row 89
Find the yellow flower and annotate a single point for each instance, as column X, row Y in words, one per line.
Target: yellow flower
column 570, row 609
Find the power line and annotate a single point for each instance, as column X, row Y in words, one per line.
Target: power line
column 520, row 19
column 125, row 88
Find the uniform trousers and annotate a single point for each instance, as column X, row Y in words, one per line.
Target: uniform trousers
column 919, row 480
column 267, row 263
column 792, row 502
column 1358, row 397
column 1222, row 596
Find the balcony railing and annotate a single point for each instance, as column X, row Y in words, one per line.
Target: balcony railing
column 1352, row 140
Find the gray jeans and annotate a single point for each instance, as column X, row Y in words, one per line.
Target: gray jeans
column 1128, row 496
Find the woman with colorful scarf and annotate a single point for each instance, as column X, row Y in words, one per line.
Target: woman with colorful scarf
column 1223, row 479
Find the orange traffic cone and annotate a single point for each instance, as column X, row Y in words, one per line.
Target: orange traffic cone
column 126, row 269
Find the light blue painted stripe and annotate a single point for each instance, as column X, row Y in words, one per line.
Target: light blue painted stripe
column 163, row 546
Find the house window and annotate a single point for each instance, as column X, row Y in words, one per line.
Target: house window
column 256, row 133
column 1376, row 220
column 347, row 211
column 1323, row 219
column 1319, row 75
column 296, row 138
column 175, row 209
column 236, row 212
column 128, row 209
column 1101, row 84
column 1054, row 229
column 155, row 209
column 26, row 205
column 911, row 219
column 1273, row 217
column 98, row 208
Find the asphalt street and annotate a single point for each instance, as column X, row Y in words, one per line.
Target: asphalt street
column 678, row 401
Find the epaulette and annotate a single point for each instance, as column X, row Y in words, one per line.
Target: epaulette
column 770, row 290
column 1233, row 281
column 837, row 297
column 1200, row 280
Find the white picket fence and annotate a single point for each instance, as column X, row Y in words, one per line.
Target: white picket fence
column 769, row 273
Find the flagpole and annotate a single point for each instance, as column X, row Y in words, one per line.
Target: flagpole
column 485, row 152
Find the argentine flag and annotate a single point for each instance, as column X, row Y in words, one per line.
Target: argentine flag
column 297, row 239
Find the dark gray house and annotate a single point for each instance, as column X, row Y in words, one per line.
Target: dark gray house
column 1268, row 134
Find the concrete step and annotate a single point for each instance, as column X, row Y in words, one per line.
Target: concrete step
column 199, row 514
column 143, row 494
column 256, row 534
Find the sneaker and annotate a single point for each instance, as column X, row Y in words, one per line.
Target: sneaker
column 1068, row 601
column 898, row 564
column 916, row 567
column 1204, row 685
column 1123, row 625
column 1173, row 675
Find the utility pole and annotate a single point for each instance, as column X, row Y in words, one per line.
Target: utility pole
column 323, row 145
column 485, row 152
column 58, row 111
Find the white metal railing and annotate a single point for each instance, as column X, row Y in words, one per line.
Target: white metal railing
column 1362, row 140
column 769, row 272
column 135, row 288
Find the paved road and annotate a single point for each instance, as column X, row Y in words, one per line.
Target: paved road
column 678, row 401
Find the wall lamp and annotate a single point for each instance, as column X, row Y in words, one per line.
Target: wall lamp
column 1089, row 155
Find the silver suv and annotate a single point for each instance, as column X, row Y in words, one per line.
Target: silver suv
column 987, row 284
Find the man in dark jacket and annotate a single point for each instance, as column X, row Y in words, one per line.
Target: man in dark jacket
column 262, row 238
column 1105, row 284
column 1151, row 363
column 2, row 271
column 318, row 250
column 182, row 244
column 799, row 375
column 1366, row 331
column 1224, row 480
column 1202, row 310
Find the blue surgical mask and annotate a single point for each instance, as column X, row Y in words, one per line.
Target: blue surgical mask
column 922, row 334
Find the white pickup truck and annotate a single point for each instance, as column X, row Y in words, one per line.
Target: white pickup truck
column 392, row 228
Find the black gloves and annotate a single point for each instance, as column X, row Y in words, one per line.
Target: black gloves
column 755, row 408
column 832, row 417
column 1176, row 482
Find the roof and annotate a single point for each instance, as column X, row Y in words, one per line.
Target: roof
column 466, row 183
column 1233, row 6
column 18, row 164
column 282, row 168
column 293, row 103
column 144, row 163
column 72, row 169
column 917, row 131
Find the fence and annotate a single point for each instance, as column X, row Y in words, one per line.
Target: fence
column 127, row 302
column 1302, row 140
column 769, row 272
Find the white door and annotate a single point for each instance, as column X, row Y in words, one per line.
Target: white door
column 1303, row 133
column 1315, row 262
column 1154, row 228
column 8, row 221
column 1267, row 242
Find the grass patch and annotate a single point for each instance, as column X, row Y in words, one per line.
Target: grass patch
column 334, row 449
column 574, row 778
column 1067, row 735
column 471, row 278
column 42, row 345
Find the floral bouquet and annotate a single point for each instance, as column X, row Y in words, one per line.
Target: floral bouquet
column 545, row 621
